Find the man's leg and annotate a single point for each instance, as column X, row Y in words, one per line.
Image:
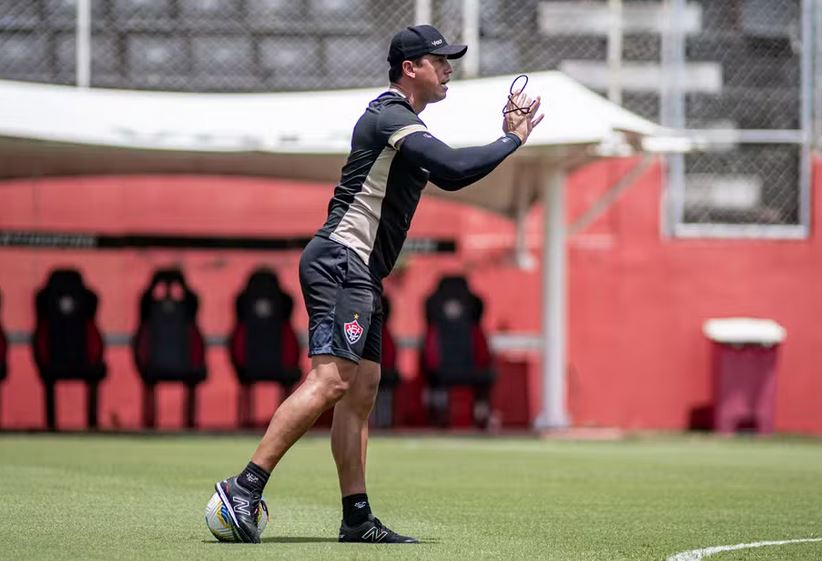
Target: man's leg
column 327, row 383
column 349, row 442
column 349, row 431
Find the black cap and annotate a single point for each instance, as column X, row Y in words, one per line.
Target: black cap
column 419, row 40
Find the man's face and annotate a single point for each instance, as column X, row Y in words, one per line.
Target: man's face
column 432, row 76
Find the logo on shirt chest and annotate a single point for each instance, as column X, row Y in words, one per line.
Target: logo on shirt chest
column 353, row 330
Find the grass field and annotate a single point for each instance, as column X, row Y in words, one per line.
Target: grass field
column 126, row 497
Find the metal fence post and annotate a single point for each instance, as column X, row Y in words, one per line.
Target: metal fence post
column 471, row 36
column 83, row 35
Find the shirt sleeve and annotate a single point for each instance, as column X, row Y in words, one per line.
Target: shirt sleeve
column 455, row 168
column 395, row 122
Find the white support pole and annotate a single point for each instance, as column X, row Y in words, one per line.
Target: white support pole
column 672, row 109
column 83, row 50
column 471, row 37
column 522, row 257
column 806, row 113
column 554, row 413
column 422, row 12
column 615, row 52
column 817, row 73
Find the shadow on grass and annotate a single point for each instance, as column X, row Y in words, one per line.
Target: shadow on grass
column 283, row 539
column 310, row 539
column 293, row 539
column 298, row 539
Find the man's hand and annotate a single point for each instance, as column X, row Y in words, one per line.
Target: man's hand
column 518, row 118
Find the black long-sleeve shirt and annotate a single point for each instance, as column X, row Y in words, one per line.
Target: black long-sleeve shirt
column 455, row 168
column 392, row 158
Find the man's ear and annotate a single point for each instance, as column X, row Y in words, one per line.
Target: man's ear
column 408, row 68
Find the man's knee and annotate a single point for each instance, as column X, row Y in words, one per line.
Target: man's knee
column 333, row 379
column 368, row 387
column 363, row 393
column 334, row 389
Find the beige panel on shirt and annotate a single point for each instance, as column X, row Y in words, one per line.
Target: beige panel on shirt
column 399, row 134
column 358, row 227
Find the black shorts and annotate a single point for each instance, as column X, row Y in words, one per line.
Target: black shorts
column 343, row 300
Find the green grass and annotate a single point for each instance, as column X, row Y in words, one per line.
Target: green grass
column 121, row 497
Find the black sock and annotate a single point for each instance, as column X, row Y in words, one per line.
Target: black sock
column 356, row 509
column 254, row 477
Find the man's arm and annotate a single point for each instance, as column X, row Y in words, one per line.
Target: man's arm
column 454, row 168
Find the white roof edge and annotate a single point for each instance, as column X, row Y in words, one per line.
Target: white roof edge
column 318, row 122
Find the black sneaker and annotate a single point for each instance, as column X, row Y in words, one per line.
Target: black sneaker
column 372, row 531
column 242, row 505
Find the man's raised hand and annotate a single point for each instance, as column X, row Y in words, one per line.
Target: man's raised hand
column 521, row 115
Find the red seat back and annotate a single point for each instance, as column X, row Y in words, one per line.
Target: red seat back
column 263, row 345
column 455, row 349
column 168, row 344
column 67, row 341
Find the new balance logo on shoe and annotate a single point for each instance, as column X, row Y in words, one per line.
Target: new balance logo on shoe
column 375, row 534
column 241, row 505
column 371, row 531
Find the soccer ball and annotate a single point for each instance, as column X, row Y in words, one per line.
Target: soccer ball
column 219, row 521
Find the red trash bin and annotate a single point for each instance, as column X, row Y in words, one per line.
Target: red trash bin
column 511, row 396
column 744, row 362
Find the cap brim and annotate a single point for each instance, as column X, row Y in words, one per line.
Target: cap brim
column 451, row 51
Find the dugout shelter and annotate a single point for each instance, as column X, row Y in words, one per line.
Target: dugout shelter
column 63, row 131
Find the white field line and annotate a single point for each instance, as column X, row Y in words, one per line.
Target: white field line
column 697, row 554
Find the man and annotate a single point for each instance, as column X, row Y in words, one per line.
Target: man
column 392, row 157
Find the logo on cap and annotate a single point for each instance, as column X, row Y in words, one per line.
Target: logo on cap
column 419, row 40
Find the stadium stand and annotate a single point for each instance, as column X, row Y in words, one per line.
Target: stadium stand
column 498, row 56
column 455, row 349
column 168, row 345
column 346, row 71
column 19, row 16
column 222, row 61
column 263, row 344
column 143, row 15
column 67, row 342
column 105, row 68
column 25, row 57
column 742, row 62
column 263, row 44
column 340, row 16
column 62, row 14
column 275, row 15
column 284, row 60
column 156, row 60
column 210, row 15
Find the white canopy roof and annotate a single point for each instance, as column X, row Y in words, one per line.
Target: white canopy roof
column 57, row 130
column 62, row 130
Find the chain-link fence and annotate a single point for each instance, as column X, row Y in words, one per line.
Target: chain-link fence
column 745, row 86
column 739, row 72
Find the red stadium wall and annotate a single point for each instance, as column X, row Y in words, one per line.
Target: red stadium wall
column 637, row 358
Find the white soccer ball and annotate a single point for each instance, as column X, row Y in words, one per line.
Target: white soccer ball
column 219, row 521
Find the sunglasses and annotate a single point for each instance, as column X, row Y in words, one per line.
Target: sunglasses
column 514, row 90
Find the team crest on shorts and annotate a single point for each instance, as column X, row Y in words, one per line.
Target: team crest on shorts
column 353, row 330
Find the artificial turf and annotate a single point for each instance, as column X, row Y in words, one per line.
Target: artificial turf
column 125, row 497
